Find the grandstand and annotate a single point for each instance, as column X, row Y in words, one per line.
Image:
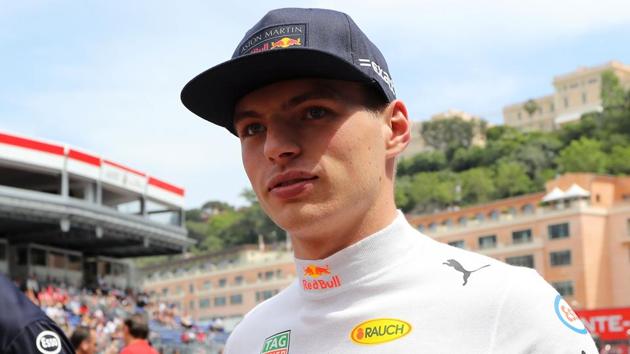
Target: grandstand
column 70, row 216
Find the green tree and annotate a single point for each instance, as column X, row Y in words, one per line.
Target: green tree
column 477, row 186
column 531, row 107
column 448, row 134
column 584, row 155
column 432, row 190
column 511, row 179
column 619, row 162
column 422, row 162
column 402, row 192
column 613, row 95
column 464, row 159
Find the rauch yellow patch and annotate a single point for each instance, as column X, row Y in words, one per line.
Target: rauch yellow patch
column 379, row 330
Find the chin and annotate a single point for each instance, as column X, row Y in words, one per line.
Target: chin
column 300, row 217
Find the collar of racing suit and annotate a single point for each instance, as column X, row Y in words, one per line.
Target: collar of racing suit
column 359, row 263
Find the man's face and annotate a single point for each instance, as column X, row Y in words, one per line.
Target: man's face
column 88, row 346
column 314, row 155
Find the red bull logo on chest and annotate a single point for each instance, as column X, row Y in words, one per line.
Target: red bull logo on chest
column 320, row 278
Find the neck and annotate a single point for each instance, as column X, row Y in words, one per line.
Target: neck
column 133, row 340
column 340, row 231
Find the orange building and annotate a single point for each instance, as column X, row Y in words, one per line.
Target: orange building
column 222, row 285
column 576, row 235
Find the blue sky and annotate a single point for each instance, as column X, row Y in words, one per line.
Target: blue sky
column 105, row 76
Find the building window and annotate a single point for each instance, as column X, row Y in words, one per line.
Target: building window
column 179, row 290
column 278, row 273
column 238, row 280
column 558, row 231
column 551, row 107
column 521, row 261
column 219, row 301
column 447, row 223
column 458, row 244
column 269, row 275
column 222, row 282
column 522, row 236
column 560, row 258
column 420, row 227
column 566, row 102
column 462, row 220
column 191, row 288
column 486, row 242
column 164, row 291
column 494, row 215
column 264, row 295
column 207, row 285
column 236, row 299
column 204, row 303
column 432, row 226
column 479, row 217
column 583, row 97
column 528, row 209
column 519, row 115
column 512, row 211
column 564, row 288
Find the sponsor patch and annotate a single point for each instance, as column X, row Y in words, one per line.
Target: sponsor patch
column 277, row 344
column 275, row 37
column 379, row 330
column 320, row 278
column 567, row 316
column 48, row 342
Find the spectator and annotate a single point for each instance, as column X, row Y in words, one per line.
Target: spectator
column 83, row 340
column 135, row 334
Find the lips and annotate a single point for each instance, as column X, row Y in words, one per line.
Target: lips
column 290, row 185
column 289, row 178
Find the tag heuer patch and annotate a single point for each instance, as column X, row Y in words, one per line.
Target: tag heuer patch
column 277, row 344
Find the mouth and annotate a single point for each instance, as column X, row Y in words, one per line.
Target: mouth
column 290, row 182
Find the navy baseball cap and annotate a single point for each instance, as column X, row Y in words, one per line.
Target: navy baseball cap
column 289, row 43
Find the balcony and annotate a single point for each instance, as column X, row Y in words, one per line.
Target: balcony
column 535, row 244
column 507, row 219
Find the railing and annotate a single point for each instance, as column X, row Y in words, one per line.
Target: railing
column 506, row 219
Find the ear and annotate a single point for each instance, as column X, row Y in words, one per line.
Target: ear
column 398, row 128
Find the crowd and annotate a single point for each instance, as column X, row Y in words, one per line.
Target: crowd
column 99, row 316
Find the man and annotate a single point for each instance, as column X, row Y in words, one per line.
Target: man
column 314, row 106
column 24, row 328
column 83, row 340
column 135, row 334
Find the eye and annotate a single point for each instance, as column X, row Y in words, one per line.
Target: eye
column 316, row 112
column 252, row 129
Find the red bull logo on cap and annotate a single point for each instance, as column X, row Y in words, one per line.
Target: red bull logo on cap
column 314, row 272
column 286, row 42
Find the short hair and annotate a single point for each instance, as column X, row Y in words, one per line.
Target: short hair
column 138, row 326
column 80, row 334
column 374, row 101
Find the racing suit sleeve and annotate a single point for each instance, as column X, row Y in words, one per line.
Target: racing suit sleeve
column 534, row 318
column 40, row 337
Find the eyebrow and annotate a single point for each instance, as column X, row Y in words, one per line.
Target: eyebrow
column 318, row 92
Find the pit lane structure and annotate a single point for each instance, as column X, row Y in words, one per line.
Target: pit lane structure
column 71, row 216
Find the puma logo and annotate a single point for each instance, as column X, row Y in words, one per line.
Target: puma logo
column 458, row 267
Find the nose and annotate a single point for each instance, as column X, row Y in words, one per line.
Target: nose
column 281, row 143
